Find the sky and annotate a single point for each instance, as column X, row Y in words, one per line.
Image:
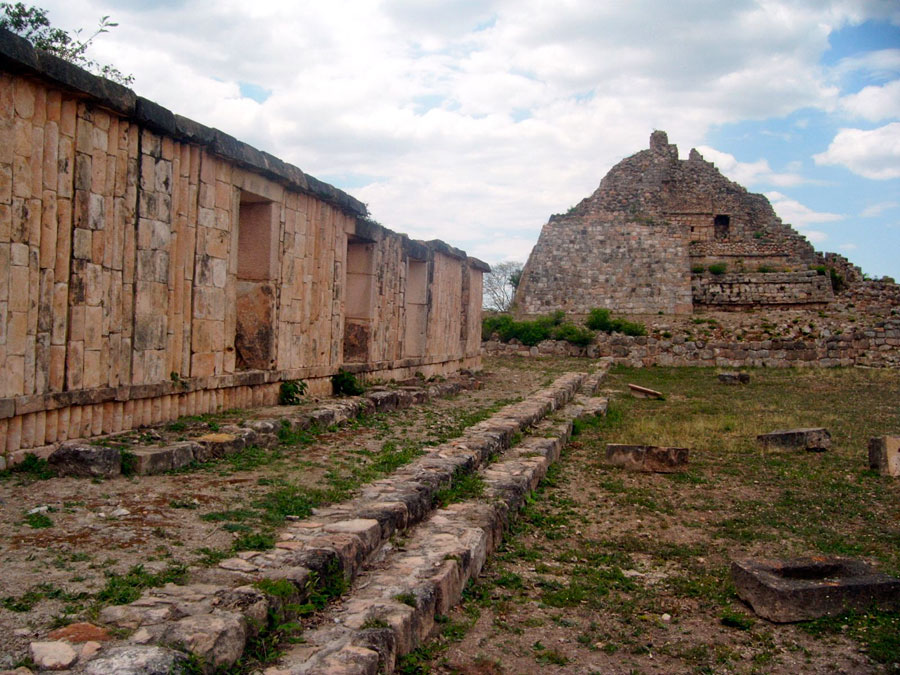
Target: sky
column 473, row 121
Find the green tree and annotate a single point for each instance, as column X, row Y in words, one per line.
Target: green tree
column 32, row 24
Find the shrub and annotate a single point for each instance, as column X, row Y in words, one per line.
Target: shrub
column 346, row 384
column 600, row 319
column 718, row 268
column 291, row 392
column 837, row 281
column 527, row 332
column 629, row 327
column 765, row 269
column 577, row 335
column 697, row 269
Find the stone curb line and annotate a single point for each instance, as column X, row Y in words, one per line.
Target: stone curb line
column 393, row 608
column 83, row 458
column 214, row 616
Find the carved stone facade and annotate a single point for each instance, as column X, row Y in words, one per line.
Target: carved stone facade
column 151, row 267
column 653, row 223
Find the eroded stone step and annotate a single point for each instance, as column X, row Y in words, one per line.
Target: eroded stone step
column 393, row 605
column 214, row 616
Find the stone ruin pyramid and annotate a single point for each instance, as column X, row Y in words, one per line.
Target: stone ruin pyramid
column 644, row 243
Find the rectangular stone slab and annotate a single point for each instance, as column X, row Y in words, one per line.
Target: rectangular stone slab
column 649, row 458
column 884, row 455
column 816, row 439
column 802, row 589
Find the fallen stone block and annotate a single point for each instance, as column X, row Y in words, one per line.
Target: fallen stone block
column 816, row 439
column 76, row 458
column 149, row 461
column 217, row 445
column 217, row 639
column 135, row 660
column 648, row 458
column 884, row 455
column 802, row 589
column 734, row 378
column 384, row 400
column 53, row 655
column 642, row 392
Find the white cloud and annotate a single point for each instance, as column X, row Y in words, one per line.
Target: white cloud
column 477, row 119
column 875, row 210
column 874, row 103
column 848, row 247
column 750, row 173
column 883, row 64
column 873, row 154
column 801, row 216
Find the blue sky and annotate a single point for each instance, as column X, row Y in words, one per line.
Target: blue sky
column 473, row 120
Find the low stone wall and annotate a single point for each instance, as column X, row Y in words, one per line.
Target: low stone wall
column 878, row 346
column 754, row 289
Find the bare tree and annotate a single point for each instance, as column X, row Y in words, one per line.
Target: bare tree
column 500, row 285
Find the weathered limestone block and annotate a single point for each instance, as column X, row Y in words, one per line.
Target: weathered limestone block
column 149, row 461
column 816, row 439
column 884, row 455
column 734, row 378
column 135, row 660
column 218, row 638
column 53, row 655
column 76, row 458
column 808, row 588
column 649, row 458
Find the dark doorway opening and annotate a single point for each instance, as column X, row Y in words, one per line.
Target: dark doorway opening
column 720, row 226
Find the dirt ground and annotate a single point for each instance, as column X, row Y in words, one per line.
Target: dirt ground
column 605, row 572
column 62, row 540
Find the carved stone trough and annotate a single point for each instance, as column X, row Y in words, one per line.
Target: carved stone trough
column 649, row 458
column 802, row 589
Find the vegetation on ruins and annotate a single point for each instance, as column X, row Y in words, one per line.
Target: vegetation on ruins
column 32, row 23
column 291, row 392
column 550, row 327
column 346, row 384
column 602, row 320
column 837, row 280
column 555, row 327
column 500, row 285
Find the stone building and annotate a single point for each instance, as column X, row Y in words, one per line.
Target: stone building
column 645, row 240
column 152, row 267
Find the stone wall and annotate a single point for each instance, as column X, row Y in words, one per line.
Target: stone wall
column 585, row 262
column 877, row 346
column 780, row 289
column 151, row 267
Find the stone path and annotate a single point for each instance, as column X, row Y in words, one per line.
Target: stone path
column 397, row 591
